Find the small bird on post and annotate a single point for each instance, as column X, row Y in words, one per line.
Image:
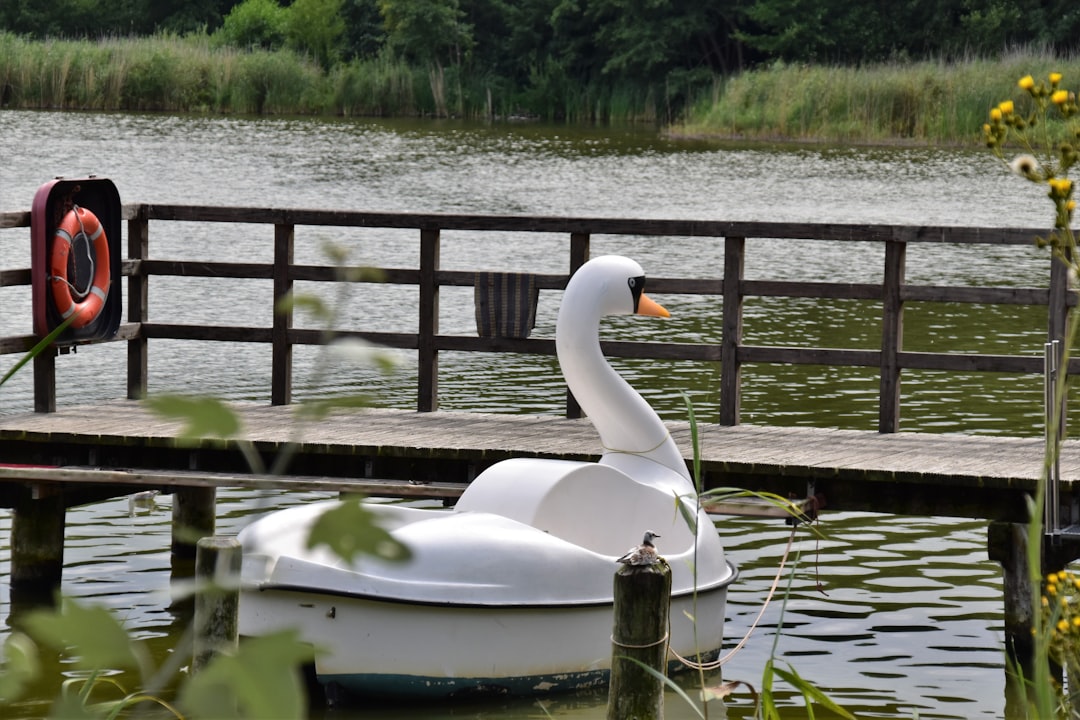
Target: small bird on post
column 643, row 554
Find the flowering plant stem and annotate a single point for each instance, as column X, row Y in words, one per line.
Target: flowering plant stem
column 1048, row 134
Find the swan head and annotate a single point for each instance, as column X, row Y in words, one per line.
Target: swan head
column 609, row 285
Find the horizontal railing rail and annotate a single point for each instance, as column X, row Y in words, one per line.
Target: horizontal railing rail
column 729, row 283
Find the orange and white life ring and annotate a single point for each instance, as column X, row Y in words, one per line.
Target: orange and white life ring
column 84, row 297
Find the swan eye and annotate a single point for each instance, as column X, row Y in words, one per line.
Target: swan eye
column 637, row 285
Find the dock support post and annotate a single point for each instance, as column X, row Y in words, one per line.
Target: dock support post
column 642, row 605
column 37, row 546
column 1008, row 545
column 193, row 517
column 217, row 599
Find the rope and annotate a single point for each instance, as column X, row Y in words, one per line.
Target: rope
column 667, row 436
column 661, row 641
column 79, row 294
column 713, row 665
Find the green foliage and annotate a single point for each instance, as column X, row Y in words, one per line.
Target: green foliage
column 254, row 24
column 98, row 640
column 259, row 681
column 1045, row 125
column 21, row 666
column 430, row 32
column 202, row 417
column 929, row 102
column 350, row 529
column 316, row 27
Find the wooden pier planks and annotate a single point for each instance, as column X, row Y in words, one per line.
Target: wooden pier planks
column 979, row 476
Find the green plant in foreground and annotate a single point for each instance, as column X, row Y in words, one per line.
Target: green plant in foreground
column 765, row 702
column 259, row 680
column 1047, row 134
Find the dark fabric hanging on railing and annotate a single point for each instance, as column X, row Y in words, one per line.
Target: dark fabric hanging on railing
column 505, row 304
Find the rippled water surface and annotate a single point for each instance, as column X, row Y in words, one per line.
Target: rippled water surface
column 895, row 617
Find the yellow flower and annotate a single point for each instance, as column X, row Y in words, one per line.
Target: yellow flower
column 1055, row 78
column 1006, row 107
column 1060, row 97
column 1045, row 602
column 1076, row 622
column 995, row 114
column 1061, row 186
column 1063, row 626
column 1026, row 83
column 1070, row 206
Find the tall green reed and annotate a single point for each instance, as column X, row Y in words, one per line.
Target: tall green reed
column 932, row 101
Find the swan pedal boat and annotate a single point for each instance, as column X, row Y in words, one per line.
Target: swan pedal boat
column 511, row 590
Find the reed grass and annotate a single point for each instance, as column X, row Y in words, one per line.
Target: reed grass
column 934, row 102
column 931, row 102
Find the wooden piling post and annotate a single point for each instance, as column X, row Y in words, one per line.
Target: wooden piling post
column 217, row 598
column 1008, row 544
column 193, row 517
column 642, row 606
column 37, row 544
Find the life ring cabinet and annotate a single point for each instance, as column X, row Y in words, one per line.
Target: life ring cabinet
column 75, row 259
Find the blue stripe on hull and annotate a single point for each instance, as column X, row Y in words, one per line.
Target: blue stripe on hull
column 343, row 687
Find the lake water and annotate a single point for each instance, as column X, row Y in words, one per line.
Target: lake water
column 892, row 616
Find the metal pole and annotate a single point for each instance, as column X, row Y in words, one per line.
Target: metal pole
column 1052, row 502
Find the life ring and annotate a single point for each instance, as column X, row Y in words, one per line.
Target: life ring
column 79, row 229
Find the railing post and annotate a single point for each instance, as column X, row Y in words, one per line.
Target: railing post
column 138, row 353
column 45, row 381
column 892, row 336
column 731, row 339
column 428, row 355
column 281, row 364
column 1057, row 323
column 579, row 255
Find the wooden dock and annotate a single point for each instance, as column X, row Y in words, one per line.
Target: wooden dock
column 121, row 447
column 61, row 456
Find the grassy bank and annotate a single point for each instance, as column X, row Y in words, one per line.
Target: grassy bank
column 194, row 74
column 190, row 75
column 923, row 102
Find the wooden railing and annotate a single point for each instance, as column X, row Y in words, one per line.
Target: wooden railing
column 893, row 292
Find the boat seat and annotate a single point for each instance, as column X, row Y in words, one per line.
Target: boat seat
column 588, row 504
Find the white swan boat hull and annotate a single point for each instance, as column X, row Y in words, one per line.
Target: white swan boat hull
column 380, row 648
column 509, row 592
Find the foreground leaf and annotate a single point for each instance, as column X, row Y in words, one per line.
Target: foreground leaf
column 350, row 529
column 261, row 680
column 203, row 417
column 811, row 693
column 39, row 348
column 21, row 666
column 90, row 634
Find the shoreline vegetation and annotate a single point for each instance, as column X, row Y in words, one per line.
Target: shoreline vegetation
column 916, row 102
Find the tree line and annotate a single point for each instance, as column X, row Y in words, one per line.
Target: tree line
column 548, row 45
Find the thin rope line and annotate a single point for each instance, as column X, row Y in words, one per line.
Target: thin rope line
column 731, row 653
column 667, row 436
column 661, row 641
